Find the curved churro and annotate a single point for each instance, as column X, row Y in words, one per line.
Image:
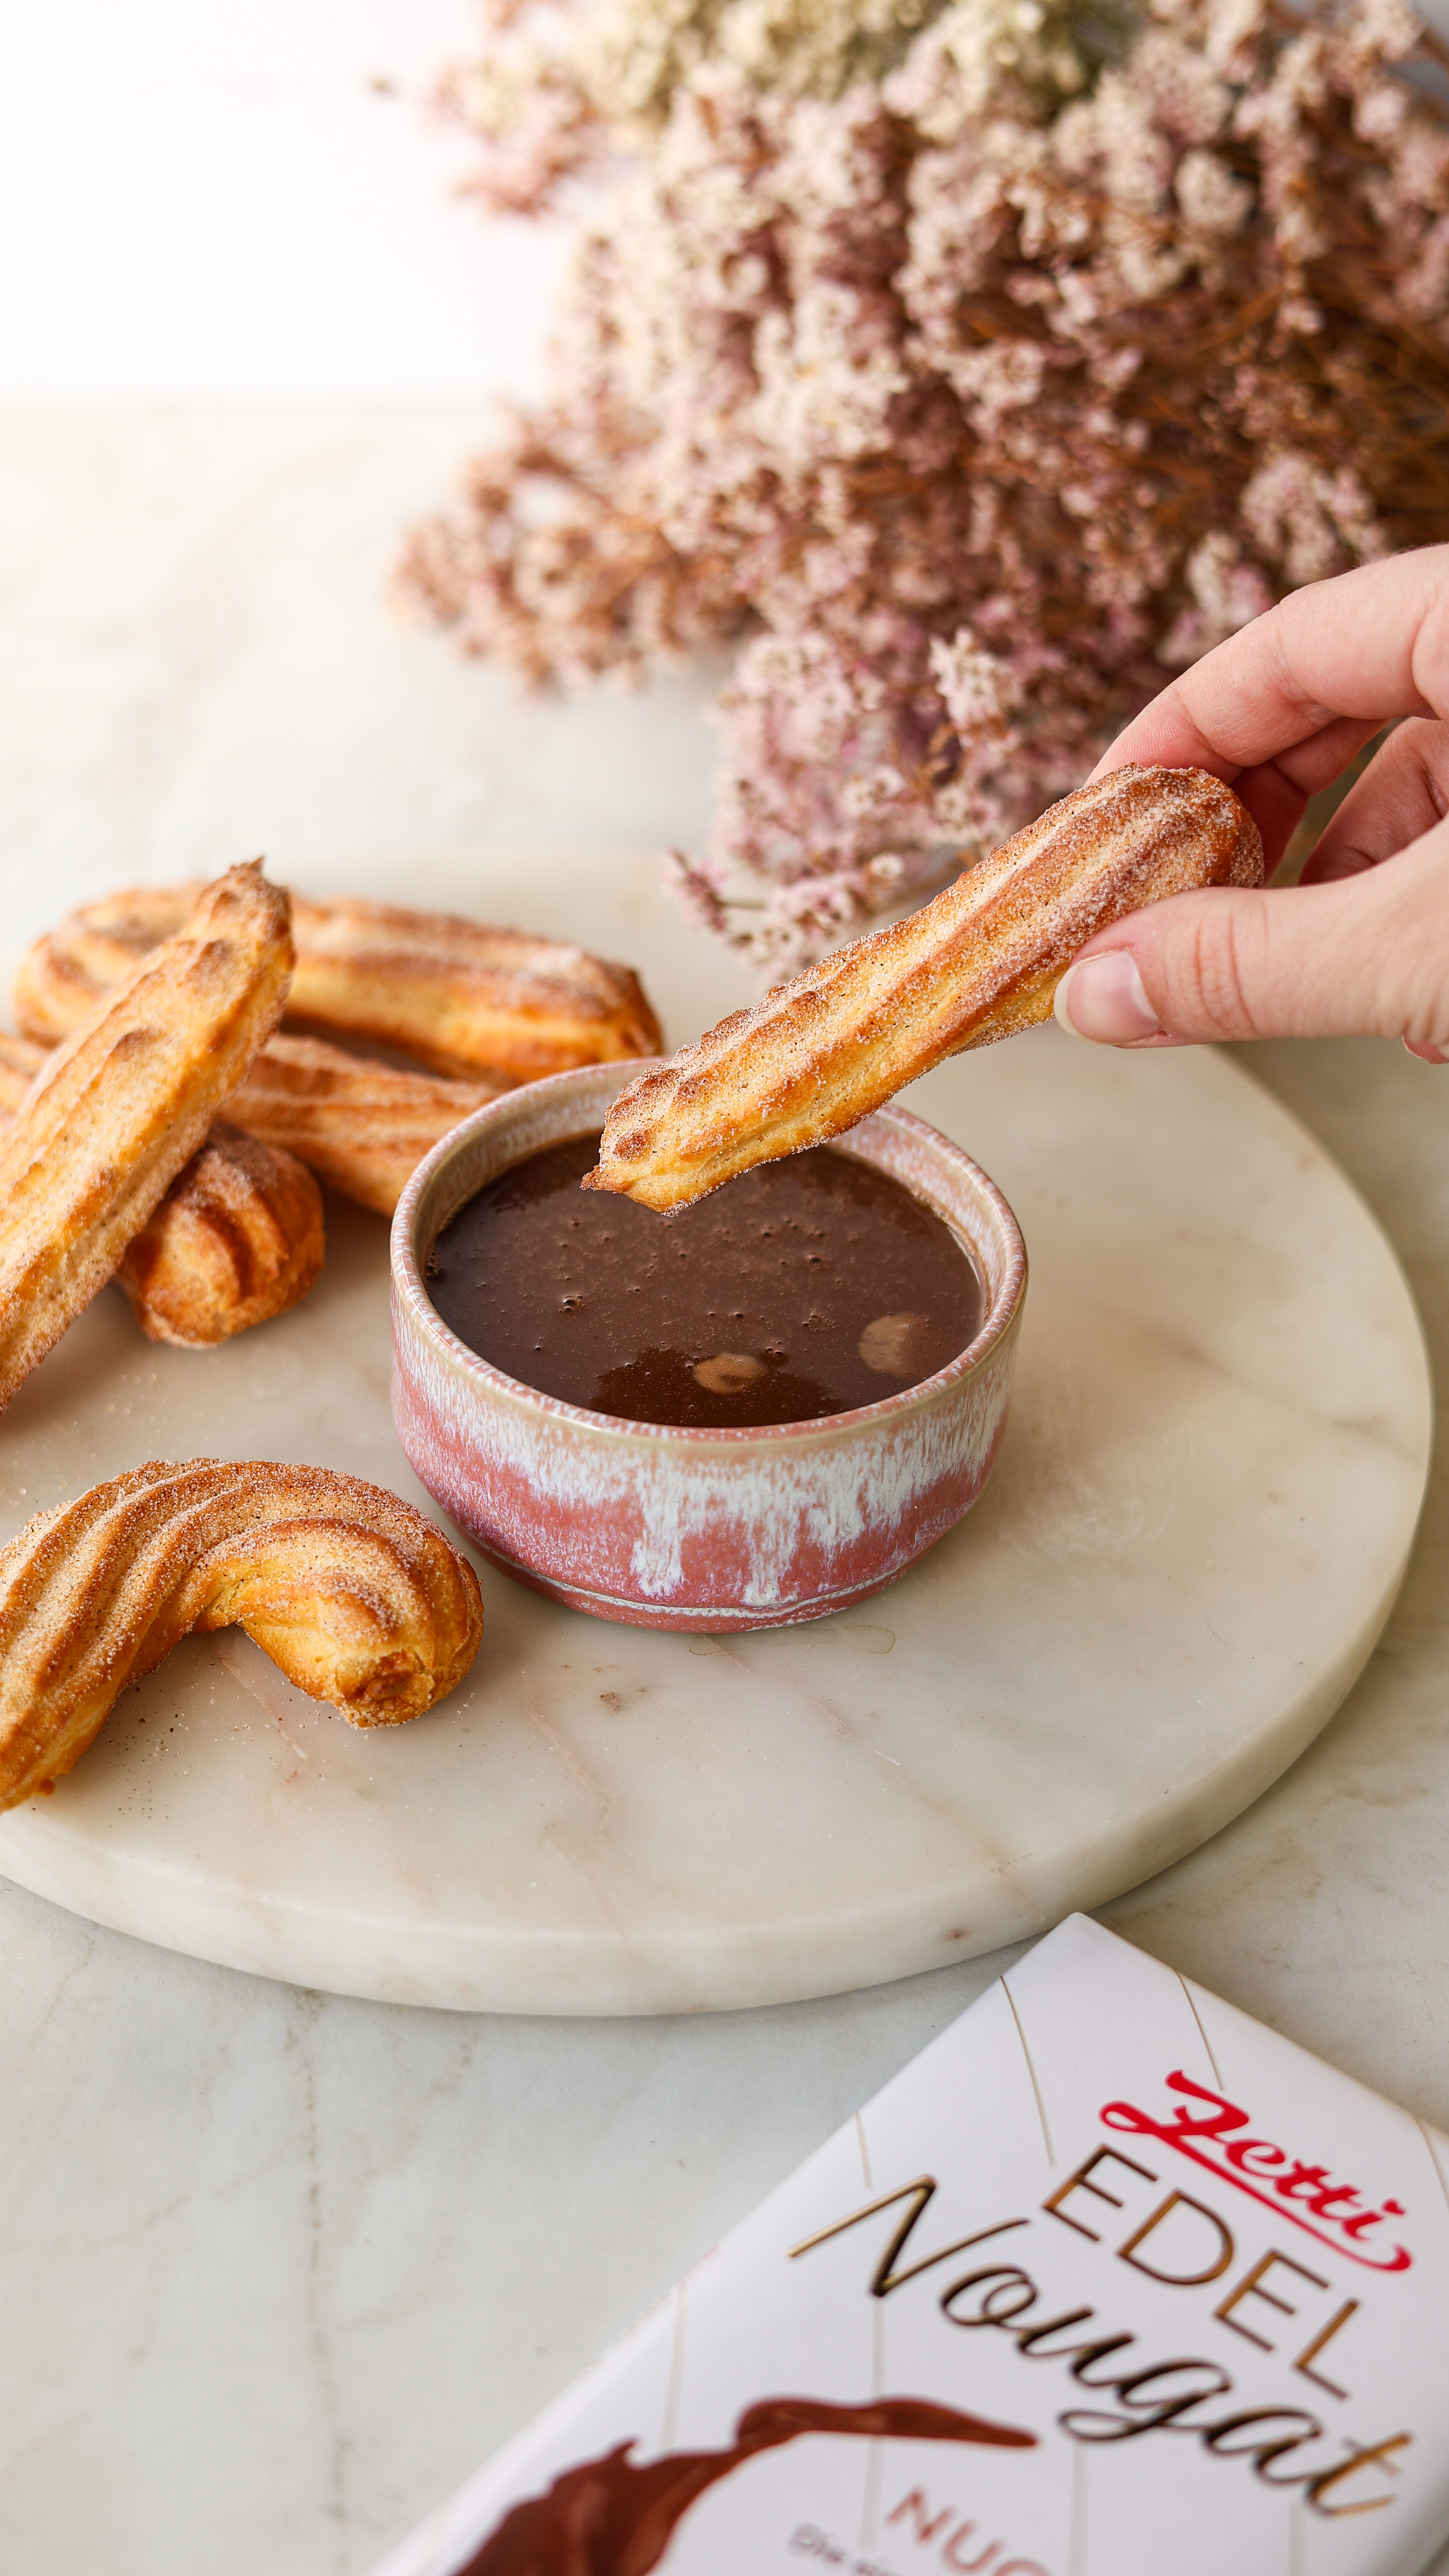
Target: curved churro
column 357, row 1598
column 239, row 1237
column 460, row 998
column 979, row 963
column 362, row 1127
column 125, row 1102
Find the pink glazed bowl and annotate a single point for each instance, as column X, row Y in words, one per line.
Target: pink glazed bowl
column 666, row 1527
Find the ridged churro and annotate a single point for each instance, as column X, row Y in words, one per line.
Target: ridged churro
column 355, row 1596
column 460, row 998
column 125, row 1102
column 362, row 1127
column 20, row 1062
column 982, row 961
column 238, row 1237
column 464, row 999
column 61, row 980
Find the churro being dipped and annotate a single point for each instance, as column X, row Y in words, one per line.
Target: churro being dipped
column 982, row 961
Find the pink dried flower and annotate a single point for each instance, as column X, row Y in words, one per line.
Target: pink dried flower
column 961, row 362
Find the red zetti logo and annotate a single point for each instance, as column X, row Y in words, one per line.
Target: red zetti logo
column 1333, row 2212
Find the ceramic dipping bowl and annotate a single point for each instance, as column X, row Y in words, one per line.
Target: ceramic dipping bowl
column 665, row 1527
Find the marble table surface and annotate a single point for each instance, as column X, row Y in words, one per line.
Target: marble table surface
column 276, row 2267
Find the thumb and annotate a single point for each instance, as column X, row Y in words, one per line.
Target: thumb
column 1363, row 956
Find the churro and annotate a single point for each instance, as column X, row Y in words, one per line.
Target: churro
column 125, row 1102
column 982, row 961
column 362, row 1127
column 238, row 1238
column 355, row 1596
column 460, row 998
column 20, row 1062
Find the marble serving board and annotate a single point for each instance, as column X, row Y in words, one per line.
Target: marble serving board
column 1205, row 1500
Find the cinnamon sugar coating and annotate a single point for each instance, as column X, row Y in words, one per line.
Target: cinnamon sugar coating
column 362, row 1127
column 464, row 999
column 984, row 960
column 460, row 998
column 125, row 1102
column 20, row 1062
column 238, row 1238
column 355, row 1596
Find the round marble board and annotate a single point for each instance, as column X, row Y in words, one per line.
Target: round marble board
column 1203, row 1507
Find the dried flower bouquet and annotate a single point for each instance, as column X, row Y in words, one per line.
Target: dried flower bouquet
column 967, row 366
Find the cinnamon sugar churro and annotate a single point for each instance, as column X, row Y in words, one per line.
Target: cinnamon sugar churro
column 463, row 999
column 238, row 1237
column 460, row 998
column 355, row 1596
column 125, row 1102
column 20, row 1062
column 982, row 961
column 362, row 1127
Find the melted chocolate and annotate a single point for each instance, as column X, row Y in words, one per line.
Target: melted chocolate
column 608, row 2518
column 803, row 1288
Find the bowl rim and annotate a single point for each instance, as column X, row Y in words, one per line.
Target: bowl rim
column 1003, row 1310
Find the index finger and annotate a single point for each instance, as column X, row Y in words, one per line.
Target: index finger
column 1326, row 667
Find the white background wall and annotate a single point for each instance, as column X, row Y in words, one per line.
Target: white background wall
column 242, row 269
column 246, row 202
column 210, row 203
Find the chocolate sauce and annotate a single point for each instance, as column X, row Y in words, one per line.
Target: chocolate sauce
column 608, row 2518
column 803, row 1288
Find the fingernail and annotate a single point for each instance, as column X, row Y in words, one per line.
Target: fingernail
column 1426, row 1052
column 1104, row 998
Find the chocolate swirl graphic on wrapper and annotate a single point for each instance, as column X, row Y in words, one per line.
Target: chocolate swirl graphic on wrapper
column 608, row 2518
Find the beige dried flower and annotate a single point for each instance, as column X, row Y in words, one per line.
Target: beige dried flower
column 962, row 370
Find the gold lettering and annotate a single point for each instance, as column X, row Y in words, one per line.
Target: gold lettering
column 1079, row 2181
column 1261, row 2447
column 1315, row 2489
column 1178, row 2280
column 1250, row 2286
column 1312, row 2350
column 920, row 2193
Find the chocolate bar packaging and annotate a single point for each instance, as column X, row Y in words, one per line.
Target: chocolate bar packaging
column 1110, row 2281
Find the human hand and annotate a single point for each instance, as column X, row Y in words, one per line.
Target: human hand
column 1361, row 945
